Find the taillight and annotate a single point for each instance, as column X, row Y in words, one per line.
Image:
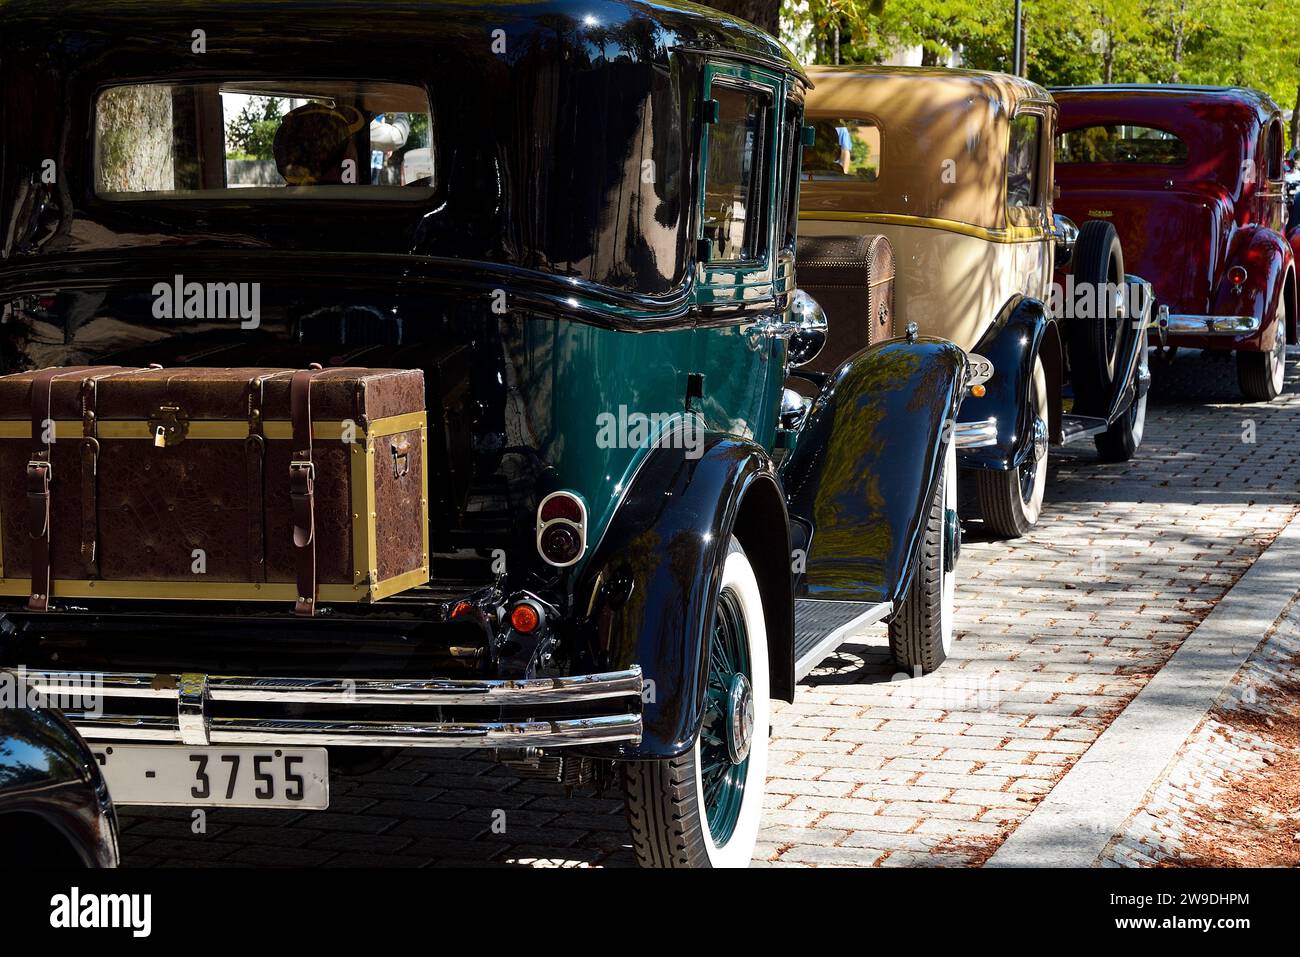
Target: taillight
column 561, row 528
column 526, row 617
column 561, row 505
column 1237, row 276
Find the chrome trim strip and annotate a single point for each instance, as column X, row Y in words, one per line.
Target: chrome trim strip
column 1184, row 325
column 194, row 724
column 391, row 691
column 975, row 435
column 600, row 729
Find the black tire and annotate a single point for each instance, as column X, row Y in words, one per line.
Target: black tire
column 1262, row 375
column 663, row 799
column 1007, row 510
column 1093, row 342
column 920, row 633
column 1120, row 442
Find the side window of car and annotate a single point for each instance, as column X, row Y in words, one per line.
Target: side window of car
column 1023, row 161
column 791, row 148
column 734, row 218
column 1274, row 150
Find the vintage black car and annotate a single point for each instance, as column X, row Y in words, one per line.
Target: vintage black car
column 55, row 810
column 578, row 219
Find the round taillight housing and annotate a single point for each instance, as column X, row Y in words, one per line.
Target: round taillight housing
column 560, row 543
column 525, row 618
column 562, row 528
column 1237, row 276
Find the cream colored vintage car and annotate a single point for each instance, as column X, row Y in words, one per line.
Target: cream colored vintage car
column 954, row 167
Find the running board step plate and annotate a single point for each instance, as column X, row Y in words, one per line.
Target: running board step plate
column 820, row 627
column 1076, row 428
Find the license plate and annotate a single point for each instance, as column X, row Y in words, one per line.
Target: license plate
column 173, row 775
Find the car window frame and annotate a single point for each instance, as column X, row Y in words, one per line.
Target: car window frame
column 1039, row 211
column 324, row 196
column 770, row 85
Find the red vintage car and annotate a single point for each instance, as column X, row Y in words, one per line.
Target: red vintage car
column 1192, row 178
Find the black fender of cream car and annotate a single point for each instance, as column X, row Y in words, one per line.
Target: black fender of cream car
column 1022, row 332
column 55, row 809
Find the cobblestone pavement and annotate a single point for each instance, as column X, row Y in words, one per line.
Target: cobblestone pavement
column 1056, row 632
column 1193, row 795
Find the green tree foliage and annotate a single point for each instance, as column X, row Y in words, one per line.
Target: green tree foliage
column 250, row 134
column 1252, row 43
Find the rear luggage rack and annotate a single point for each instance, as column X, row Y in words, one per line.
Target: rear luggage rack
column 194, row 724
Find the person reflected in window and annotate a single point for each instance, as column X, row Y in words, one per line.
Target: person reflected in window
column 846, row 148
column 315, row 142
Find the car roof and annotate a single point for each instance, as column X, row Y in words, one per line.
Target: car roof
column 1185, row 93
column 597, row 22
column 953, row 82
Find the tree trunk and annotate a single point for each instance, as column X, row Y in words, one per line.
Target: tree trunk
column 761, row 13
column 133, row 129
column 1295, row 118
column 1180, row 30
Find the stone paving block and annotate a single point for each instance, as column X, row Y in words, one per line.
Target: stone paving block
column 1056, row 632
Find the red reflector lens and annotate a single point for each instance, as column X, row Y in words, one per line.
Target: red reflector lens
column 524, row 619
column 1237, row 275
column 462, row 608
column 561, row 506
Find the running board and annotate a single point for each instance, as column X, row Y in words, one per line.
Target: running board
column 820, row 627
column 1076, row 428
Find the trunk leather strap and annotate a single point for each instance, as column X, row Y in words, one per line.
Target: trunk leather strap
column 40, row 480
column 254, row 462
column 302, row 490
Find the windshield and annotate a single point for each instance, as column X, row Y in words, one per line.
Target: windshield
column 1120, row 144
column 282, row 138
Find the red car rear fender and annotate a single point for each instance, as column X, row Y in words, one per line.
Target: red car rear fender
column 1268, row 260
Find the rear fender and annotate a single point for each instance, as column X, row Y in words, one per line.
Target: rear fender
column 1268, row 261
column 647, row 595
column 1293, row 303
column 1021, row 330
column 866, row 466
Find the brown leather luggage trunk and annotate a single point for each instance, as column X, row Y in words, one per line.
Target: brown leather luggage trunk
column 225, row 484
column 852, row 278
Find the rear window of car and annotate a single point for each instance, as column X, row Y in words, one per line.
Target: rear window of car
column 266, row 138
column 845, row 149
column 1120, row 144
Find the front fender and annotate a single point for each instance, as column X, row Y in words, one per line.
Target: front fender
column 865, row 467
column 1267, row 259
column 647, row 595
column 47, row 770
column 1011, row 343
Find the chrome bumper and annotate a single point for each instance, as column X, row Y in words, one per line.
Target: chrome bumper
column 194, row 722
column 1172, row 324
column 975, row 435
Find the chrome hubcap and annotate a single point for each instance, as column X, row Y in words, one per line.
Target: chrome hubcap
column 740, row 718
column 1040, row 440
column 951, row 540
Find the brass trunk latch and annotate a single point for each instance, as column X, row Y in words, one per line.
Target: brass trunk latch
column 169, row 426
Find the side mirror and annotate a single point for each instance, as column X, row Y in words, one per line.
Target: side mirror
column 809, row 336
column 1066, row 234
